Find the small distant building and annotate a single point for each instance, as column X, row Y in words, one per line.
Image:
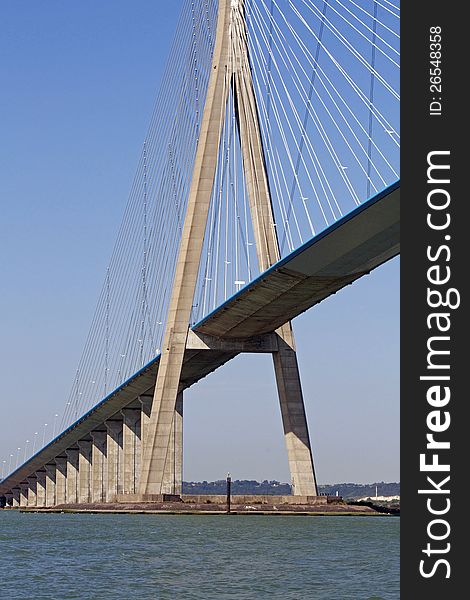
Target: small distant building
column 380, row 498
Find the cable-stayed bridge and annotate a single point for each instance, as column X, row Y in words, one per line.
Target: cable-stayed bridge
column 268, row 181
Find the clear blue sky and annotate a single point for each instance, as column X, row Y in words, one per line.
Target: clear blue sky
column 77, row 86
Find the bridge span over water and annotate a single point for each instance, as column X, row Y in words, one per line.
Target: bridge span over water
column 247, row 322
column 248, row 208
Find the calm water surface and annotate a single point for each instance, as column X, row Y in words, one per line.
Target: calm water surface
column 155, row 557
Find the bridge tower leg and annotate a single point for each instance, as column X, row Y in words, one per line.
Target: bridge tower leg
column 285, row 359
column 162, row 450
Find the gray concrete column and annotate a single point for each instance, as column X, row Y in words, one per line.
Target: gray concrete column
column 98, row 467
column 41, row 489
column 294, row 419
column 114, row 459
column 84, row 471
column 146, row 407
column 71, row 482
column 15, row 497
column 24, row 494
column 60, row 479
column 131, row 442
column 173, row 474
column 32, row 487
column 50, row 484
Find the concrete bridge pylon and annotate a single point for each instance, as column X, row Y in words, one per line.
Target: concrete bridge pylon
column 161, row 469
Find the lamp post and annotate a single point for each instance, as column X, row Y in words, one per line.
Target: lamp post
column 44, row 435
column 25, row 450
column 35, row 441
column 54, row 429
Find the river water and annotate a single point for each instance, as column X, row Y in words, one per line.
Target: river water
column 158, row 557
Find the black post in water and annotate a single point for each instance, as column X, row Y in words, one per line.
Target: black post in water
column 229, row 488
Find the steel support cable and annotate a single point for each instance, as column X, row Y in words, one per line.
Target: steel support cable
column 379, row 22
column 125, row 222
column 236, row 175
column 205, row 276
column 236, row 216
column 316, row 163
column 339, row 129
column 377, row 36
column 324, row 134
column 345, row 40
column 397, row 8
column 363, row 148
column 222, row 150
column 275, row 179
column 214, row 248
column 377, row 113
column 97, row 327
column 268, row 83
column 320, row 75
column 276, row 163
column 209, row 272
column 307, row 112
column 285, row 142
column 345, row 43
column 205, row 285
column 371, row 99
column 246, row 95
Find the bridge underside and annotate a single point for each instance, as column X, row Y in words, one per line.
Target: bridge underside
column 94, row 460
column 338, row 256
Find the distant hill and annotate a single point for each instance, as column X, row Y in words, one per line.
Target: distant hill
column 239, row 487
column 250, row 486
column 358, row 490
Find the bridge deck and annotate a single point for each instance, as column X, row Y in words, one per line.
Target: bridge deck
column 352, row 247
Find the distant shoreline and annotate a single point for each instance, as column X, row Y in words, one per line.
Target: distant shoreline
column 180, row 508
column 209, row 513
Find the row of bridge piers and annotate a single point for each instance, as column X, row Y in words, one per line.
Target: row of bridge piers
column 103, row 468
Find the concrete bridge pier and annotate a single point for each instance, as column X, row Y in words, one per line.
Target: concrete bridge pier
column 84, row 471
column 146, row 405
column 15, row 497
column 24, row 494
column 60, row 479
column 173, row 474
column 40, row 489
column 71, row 480
column 50, row 484
column 98, row 466
column 32, row 487
column 131, row 442
column 114, row 456
column 294, row 419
